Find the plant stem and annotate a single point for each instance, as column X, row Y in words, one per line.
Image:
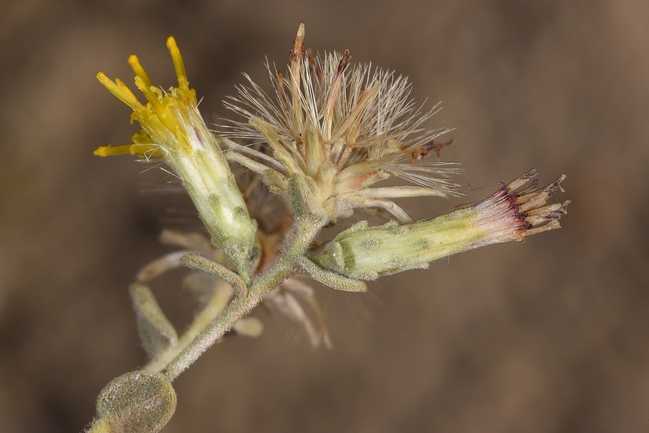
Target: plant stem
column 219, row 300
column 304, row 231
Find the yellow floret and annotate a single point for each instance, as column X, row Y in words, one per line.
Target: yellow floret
column 167, row 117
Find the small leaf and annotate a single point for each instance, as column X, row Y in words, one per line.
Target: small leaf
column 331, row 279
column 158, row 267
column 156, row 332
column 249, row 327
column 199, row 286
column 136, row 402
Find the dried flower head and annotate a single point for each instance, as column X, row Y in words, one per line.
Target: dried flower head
column 344, row 128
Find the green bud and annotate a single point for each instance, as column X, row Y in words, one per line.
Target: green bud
column 508, row 215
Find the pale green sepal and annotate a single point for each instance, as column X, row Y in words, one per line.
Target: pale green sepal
column 155, row 330
column 314, row 150
column 362, row 225
column 235, row 148
column 331, row 279
column 332, row 257
column 398, row 192
column 280, row 152
column 303, row 202
column 276, row 182
column 325, row 179
column 353, row 201
column 246, row 162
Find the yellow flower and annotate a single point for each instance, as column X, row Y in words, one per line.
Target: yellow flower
column 344, row 128
column 166, row 116
column 172, row 128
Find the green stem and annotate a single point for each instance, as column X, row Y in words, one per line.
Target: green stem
column 216, row 304
column 305, row 230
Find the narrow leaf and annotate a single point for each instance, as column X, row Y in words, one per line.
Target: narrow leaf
column 156, row 332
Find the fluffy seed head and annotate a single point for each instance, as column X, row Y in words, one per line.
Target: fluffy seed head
column 345, row 127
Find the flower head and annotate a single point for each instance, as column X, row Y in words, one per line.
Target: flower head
column 172, row 128
column 345, row 128
column 510, row 214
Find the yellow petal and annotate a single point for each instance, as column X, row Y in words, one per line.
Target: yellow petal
column 120, row 90
column 139, row 70
column 145, row 150
column 109, row 150
column 179, row 65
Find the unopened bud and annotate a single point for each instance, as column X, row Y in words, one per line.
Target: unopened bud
column 509, row 214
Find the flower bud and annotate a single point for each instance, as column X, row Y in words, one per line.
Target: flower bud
column 363, row 252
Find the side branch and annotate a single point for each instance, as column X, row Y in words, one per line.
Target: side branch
column 305, row 230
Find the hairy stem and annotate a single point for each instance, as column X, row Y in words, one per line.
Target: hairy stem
column 305, row 230
column 215, row 306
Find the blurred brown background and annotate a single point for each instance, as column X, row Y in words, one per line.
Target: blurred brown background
column 546, row 336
